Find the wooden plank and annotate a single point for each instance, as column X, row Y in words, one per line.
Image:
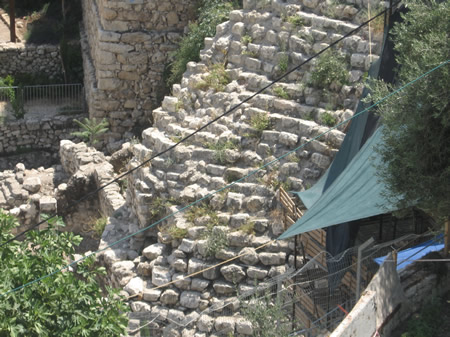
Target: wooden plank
column 289, row 221
column 302, row 316
column 319, row 236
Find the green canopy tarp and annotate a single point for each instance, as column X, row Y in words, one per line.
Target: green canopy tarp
column 355, row 194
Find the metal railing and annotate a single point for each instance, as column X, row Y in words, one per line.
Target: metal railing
column 64, row 97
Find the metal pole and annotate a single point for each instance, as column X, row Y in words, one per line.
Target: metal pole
column 358, row 270
column 12, row 20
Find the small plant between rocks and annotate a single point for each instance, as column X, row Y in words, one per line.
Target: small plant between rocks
column 331, row 68
column 220, row 149
column 295, row 20
column 260, row 122
column 99, row 226
column 92, row 129
column 217, row 79
column 216, row 239
column 246, row 39
column 266, row 315
column 281, row 92
column 283, row 62
column 328, row 119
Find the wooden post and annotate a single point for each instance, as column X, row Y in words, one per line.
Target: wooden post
column 446, row 238
column 12, row 20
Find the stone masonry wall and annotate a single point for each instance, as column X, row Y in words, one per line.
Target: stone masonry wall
column 128, row 46
column 43, row 133
column 18, row 58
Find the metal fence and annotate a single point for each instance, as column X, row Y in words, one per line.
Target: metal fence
column 63, row 98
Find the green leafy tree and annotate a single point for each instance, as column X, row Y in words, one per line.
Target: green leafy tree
column 417, row 121
column 69, row 303
column 92, row 129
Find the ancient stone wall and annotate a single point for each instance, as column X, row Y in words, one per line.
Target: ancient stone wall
column 254, row 47
column 128, row 46
column 19, row 58
column 29, row 134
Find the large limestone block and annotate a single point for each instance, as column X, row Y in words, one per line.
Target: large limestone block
column 32, row 184
column 272, row 259
column 233, row 273
column 135, row 286
column 169, row 297
column 160, row 275
column 225, row 324
column 190, row 299
column 153, row 251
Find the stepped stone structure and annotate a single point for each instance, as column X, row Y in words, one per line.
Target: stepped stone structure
column 253, row 47
column 127, row 45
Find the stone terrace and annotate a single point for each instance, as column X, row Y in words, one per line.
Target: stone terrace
column 198, row 167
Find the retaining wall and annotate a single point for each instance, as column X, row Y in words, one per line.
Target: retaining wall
column 20, row 58
column 33, row 134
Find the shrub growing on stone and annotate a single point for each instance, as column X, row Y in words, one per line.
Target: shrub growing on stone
column 267, row 316
column 217, row 79
column 331, row 67
column 211, row 13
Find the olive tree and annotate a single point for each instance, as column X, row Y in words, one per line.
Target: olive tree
column 416, row 153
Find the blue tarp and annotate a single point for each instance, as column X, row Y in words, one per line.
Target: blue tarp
column 408, row 256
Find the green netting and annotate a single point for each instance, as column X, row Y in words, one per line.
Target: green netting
column 355, row 194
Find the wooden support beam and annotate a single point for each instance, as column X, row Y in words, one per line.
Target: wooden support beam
column 12, row 20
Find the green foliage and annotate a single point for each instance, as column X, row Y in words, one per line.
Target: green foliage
column 260, row 122
column 217, row 79
column 279, row 91
column 65, row 304
column 283, row 62
column 158, row 207
column 177, row 233
column 331, row 67
column 293, row 158
column 99, row 226
column 216, row 239
column 246, row 39
column 295, row 20
column 15, row 95
column 417, row 121
column 202, row 210
column 248, row 228
column 249, row 53
column 427, row 322
column 267, row 316
column 211, row 13
column 92, row 129
column 328, row 119
column 220, row 149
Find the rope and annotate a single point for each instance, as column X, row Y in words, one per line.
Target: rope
column 198, row 130
column 227, row 186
